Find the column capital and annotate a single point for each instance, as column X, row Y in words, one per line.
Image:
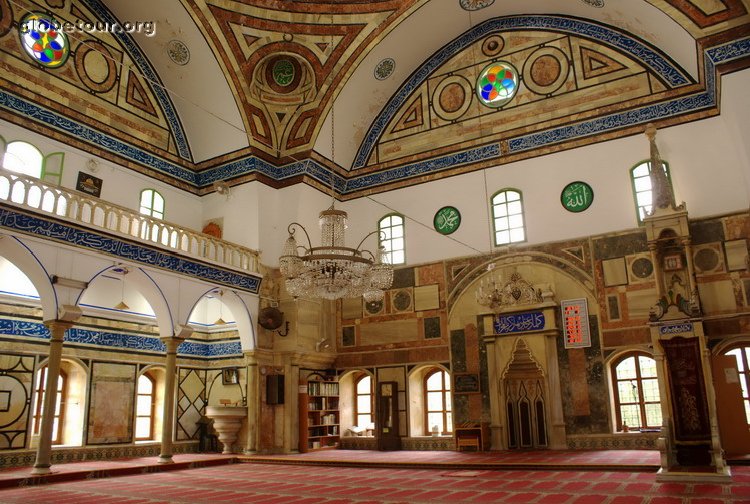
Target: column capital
column 57, row 328
column 172, row 342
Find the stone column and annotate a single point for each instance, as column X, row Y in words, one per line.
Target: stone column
column 654, row 250
column 497, row 433
column 291, row 409
column 664, row 442
column 169, row 395
column 44, row 450
column 253, row 396
column 557, row 436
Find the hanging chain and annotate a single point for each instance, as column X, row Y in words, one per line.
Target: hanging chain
column 333, row 125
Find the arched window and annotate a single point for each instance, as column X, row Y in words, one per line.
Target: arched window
column 507, row 215
column 742, row 354
column 144, row 408
column 152, row 203
column 363, row 401
column 636, row 392
column 39, row 391
column 437, row 390
column 24, row 158
column 392, row 238
column 640, row 176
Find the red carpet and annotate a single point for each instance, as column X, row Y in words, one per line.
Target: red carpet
column 307, row 484
column 611, row 460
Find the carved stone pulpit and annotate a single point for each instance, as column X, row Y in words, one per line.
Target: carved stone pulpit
column 689, row 445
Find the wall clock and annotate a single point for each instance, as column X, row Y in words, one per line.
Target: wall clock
column 447, row 220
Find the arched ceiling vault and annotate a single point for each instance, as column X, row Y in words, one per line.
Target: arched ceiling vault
column 241, row 90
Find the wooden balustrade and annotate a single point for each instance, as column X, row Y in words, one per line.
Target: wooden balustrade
column 28, row 192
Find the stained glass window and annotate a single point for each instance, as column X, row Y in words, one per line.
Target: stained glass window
column 42, row 39
column 497, row 84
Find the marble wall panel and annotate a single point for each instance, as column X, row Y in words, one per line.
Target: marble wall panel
column 110, row 416
column 16, row 377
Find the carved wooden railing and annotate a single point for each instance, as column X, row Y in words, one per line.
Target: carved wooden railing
column 28, row 192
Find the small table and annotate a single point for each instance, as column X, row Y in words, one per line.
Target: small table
column 469, row 435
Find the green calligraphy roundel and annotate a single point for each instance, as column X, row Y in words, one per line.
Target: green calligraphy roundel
column 447, row 220
column 577, row 196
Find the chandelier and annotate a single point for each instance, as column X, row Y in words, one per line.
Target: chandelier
column 496, row 295
column 333, row 270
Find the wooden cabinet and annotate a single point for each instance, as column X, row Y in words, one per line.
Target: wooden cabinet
column 319, row 414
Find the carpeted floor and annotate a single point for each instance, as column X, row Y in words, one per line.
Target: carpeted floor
column 613, row 460
column 308, row 484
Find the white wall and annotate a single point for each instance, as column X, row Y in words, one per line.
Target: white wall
column 709, row 162
column 121, row 185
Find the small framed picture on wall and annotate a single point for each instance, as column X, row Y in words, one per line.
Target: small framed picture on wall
column 672, row 262
column 230, row 376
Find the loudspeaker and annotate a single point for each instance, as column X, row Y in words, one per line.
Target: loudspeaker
column 275, row 389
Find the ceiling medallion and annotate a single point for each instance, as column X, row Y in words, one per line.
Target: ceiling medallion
column 178, row 52
column 384, row 69
column 473, row 5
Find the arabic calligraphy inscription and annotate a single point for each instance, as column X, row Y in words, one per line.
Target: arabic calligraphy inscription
column 577, row 196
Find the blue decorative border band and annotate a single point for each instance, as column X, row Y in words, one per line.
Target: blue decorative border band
column 423, row 167
column 89, row 135
column 137, row 56
column 137, row 253
column 122, row 341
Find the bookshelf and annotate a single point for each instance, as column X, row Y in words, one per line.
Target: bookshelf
column 319, row 413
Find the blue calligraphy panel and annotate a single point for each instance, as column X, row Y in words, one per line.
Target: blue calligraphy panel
column 136, row 252
column 519, row 322
column 123, row 341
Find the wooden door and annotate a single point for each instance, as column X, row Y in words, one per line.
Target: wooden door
column 386, row 420
column 730, row 406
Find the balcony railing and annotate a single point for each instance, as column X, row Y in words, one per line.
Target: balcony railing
column 22, row 191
